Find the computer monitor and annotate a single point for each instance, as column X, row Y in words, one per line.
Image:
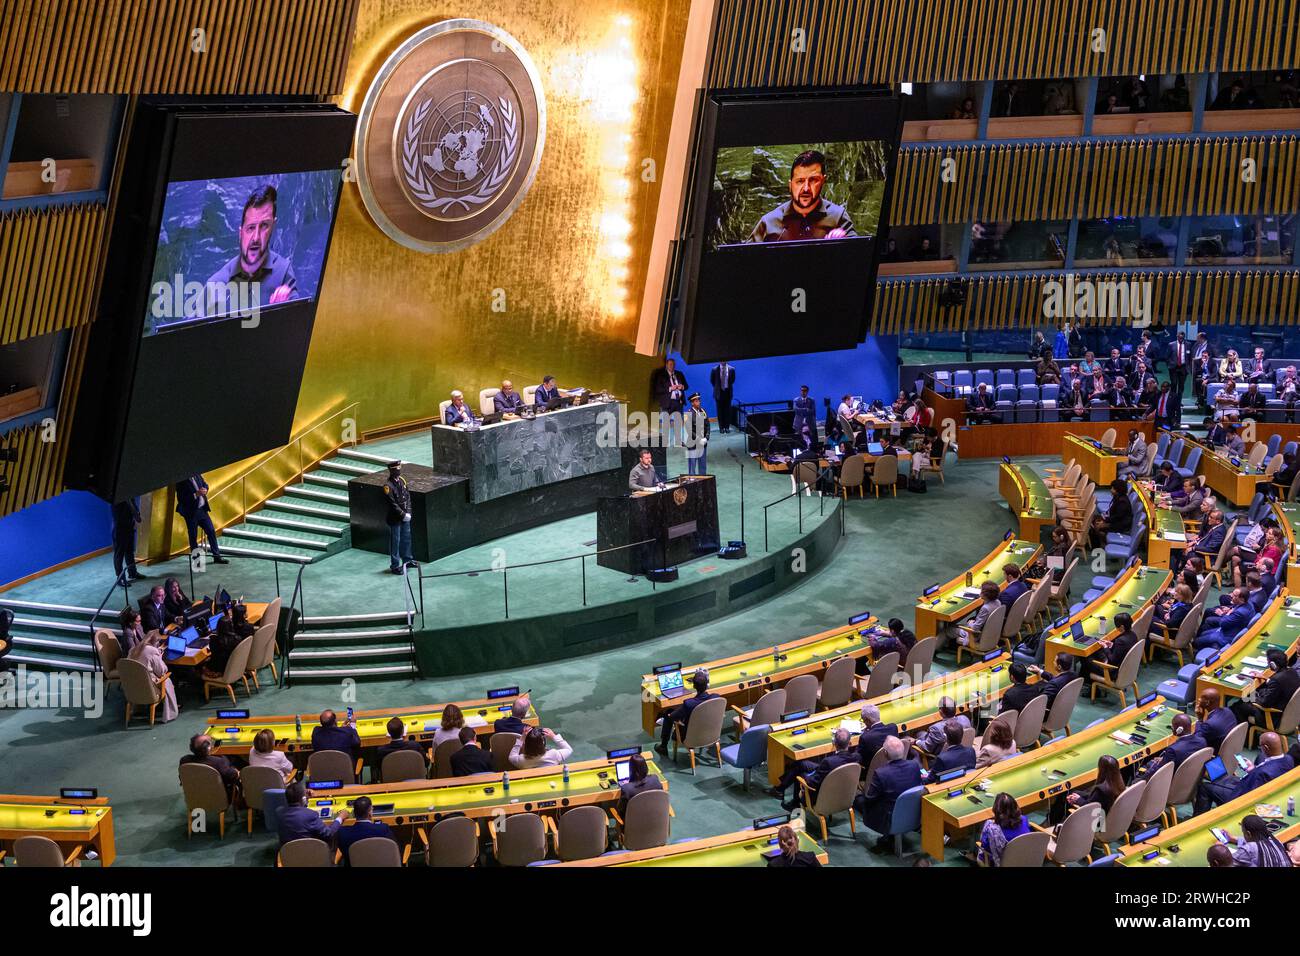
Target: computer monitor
column 623, row 771
column 1076, row 631
column 176, row 644
column 190, row 636
column 213, row 621
column 1215, row 769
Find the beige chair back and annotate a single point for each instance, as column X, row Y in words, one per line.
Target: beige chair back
column 238, row 662
column 1058, row 718
column 769, row 708
column 800, row 693
column 1273, row 465
column 530, row 394
column 1009, row 717
column 1188, row 629
column 1039, row 596
column 838, row 789
column 521, row 839
column 989, row 635
column 1233, row 741
column 306, row 852
column 442, row 757
column 968, row 737
column 38, row 851
column 1030, row 722
column 1128, row 667
column 837, row 683
column 203, row 788
column 646, row 822
column 1203, row 592
column 331, row 765
column 705, row 728
column 920, row 658
column 271, row 615
column 878, row 761
column 881, row 680
column 375, row 852
column 1014, row 619
column 1229, row 542
column 1067, row 578
column 1120, row 817
column 255, row 781
column 1258, row 452
column 1149, row 460
column 138, row 684
column 1142, row 623
column 1154, row 796
column 1188, row 777
column 485, row 404
column 804, row 477
column 109, row 651
column 583, row 833
column 885, row 472
column 262, row 651
column 1108, row 437
column 403, row 765
column 1074, row 838
column 1290, row 717
column 1026, row 850
column 500, row 746
column 442, row 410
column 453, row 842
column 853, row 472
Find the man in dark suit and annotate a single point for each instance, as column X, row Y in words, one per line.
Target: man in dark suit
column 1213, row 721
column 1118, row 517
column 507, row 401
column 892, row 779
column 1225, row 623
column 201, row 752
column 126, row 522
column 815, row 771
column 297, row 820
column 1169, row 407
column 723, row 380
column 1216, row 433
column 1274, row 693
column 788, row 852
column 546, row 391
column 1073, row 403
column 1207, row 543
column 1187, row 742
column 669, row 389
column 1056, row 683
column 1256, row 593
column 681, row 715
column 1013, row 587
column 874, row 734
column 1115, row 366
column 470, row 758
column 805, row 412
column 1203, row 367
column 1252, row 402
column 1113, row 651
column 1021, row 691
column 1180, row 363
column 515, row 723
column 362, row 828
column 1259, row 370
column 397, row 740
column 153, row 609
column 954, row 755
column 1119, row 398
column 330, row 736
column 980, row 406
column 1274, row 761
column 192, row 506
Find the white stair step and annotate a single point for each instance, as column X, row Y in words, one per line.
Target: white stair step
column 381, row 460
column 377, row 633
column 288, row 523
column 367, row 670
column 53, row 643
column 310, row 622
column 338, row 464
column 16, row 605
column 240, row 551
column 318, row 494
column 54, row 663
column 317, row 478
column 74, row 627
column 295, row 508
column 346, row 653
column 282, row 539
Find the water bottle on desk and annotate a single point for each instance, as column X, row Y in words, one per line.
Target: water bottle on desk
column 297, row 725
column 505, row 782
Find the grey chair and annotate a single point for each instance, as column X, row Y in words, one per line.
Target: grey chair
column 835, row 795
column 378, row 852
column 1120, row 818
column 1158, row 639
column 1026, row 850
column 880, row 681
column 581, row 834
column 1233, row 742
column 39, row 851
column 1155, row 797
column 140, row 688
column 853, row 474
column 646, row 822
column 801, row 693
column 1072, row 840
column 1121, row 677
column 333, row 765
column 919, row 660
column 204, row 792
column 262, row 653
column 768, row 710
column 1186, row 779
column 519, row 839
column 1058, row 718
column 837, row 684
column 253, row 784
column 305, row 852
column 1282, row 722
column 988, row 637
column 453, row 842
column 500, row 746
column 884, row 474
column 109, row 651
column 1029, row 725
column 403, row 765
column 878, row 761
column 442, row 757
column 703, row 732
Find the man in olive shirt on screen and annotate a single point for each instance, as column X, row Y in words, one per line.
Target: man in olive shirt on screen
column 643, row 474
column 806, row 215
column 256, row 262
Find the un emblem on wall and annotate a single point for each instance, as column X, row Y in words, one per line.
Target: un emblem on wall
column 450, row 136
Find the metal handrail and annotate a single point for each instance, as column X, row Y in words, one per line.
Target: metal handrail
column 297, row 601
column 94, row 618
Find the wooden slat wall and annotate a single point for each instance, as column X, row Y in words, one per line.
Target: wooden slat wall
column 47, row 268
column 1209, row 296
column 889, row 41
column 1133, row 177
column 143, row 46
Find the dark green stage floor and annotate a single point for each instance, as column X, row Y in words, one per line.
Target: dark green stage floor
column 893, row 549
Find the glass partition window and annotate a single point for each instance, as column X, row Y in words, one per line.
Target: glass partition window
column 1241, row 240
column 1267, row 90
column 1018, row 245
column 1143, row 93
column 1122, row 241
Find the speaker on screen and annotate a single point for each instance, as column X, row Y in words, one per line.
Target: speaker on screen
column 788, row 202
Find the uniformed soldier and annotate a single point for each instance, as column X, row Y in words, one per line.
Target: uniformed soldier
column 399, row 520
column 806, row 215
column 695, row 436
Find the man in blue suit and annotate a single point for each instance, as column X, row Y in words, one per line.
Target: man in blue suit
column 1223, row 624
column 805, row 412
column 330, row 736
column 682, row 714
column 362, row 828
column 1187, row 741
column 192, row 506
column 1056, row 683
column 874, row 734
column 515, row 723
column 1208, row 542
column 298, row 820
column 1256, row 596
column 815, row 772
column 546, row 391
column 1274, row 761
column 953, row 755
column 891, row 781
column 1014, row 586
column 1213, row 720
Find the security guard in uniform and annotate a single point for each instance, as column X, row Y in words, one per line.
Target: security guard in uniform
column 399, row 520
column 805, row 412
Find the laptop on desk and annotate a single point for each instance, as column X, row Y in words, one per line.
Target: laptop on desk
column 671, row 685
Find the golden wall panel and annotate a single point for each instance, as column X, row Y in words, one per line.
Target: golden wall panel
column 396, row 329
column 144, row 46
column 39, row 294
column 889, row 41
column 1208, row 296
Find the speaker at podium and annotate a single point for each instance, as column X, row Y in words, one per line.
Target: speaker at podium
column 667, row 525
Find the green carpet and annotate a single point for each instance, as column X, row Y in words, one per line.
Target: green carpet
column 894, row 548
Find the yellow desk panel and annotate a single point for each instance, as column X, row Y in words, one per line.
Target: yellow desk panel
column 954, row 600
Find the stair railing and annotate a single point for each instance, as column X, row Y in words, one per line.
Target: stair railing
column 292, row 624
column 120, row 580
column 408, row 599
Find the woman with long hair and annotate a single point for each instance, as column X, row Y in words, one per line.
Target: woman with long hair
column 1007, row 824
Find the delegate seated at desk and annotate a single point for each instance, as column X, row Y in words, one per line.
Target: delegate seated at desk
column 548, row 390
column 643, row 474
column 458, row 413
column 507, row 401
